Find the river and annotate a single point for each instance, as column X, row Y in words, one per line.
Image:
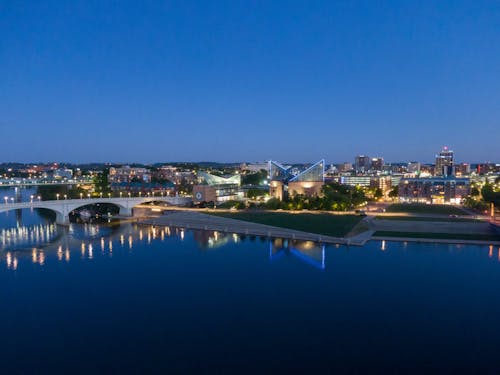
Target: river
column 125, row 298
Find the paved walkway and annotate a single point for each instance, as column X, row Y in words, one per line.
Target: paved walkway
column 190, row 219
column 196, row 220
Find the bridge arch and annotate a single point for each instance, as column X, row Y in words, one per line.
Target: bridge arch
column 62, row 208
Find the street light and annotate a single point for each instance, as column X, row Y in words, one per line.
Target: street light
column 88, row 195
column 129, row 194
column 65, row 196
column 100, row 194
column 6, row 199
column 121, row 194
column 57, row 196
column 31, row 198
column 109, row 195
column 81, row 195
column 39, row 198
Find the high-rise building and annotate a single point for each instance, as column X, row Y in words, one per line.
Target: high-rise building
column 362, row 163
column 377, row 164
column 444, row 163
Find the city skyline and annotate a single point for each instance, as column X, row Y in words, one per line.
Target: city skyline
column 233, row 81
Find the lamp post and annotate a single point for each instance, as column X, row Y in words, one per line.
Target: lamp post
column 100, row 194
column 57, row 196
column 6, row 199
column 81, row 195
column 31, row 198
column 129, row 194
column 65, row 196
column 121, row 194
column 109, row 195
column 39, row 198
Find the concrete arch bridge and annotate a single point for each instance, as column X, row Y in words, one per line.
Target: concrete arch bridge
column 63, row 207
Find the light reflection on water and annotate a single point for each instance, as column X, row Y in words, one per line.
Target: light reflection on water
column 40, row 241
column 222, row 295
column 52, row 242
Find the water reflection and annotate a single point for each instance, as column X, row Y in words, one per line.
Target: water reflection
column 41, row 243
column 307, row 251
column 27, row 236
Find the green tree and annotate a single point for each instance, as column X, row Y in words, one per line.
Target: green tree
column 254, row 193
column 254, row 178
column 101, row 182
column 273, row 204
column 489, row 195
column 394, row 193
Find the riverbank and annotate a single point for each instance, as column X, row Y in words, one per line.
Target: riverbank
column 326, row 228
column 204, row 221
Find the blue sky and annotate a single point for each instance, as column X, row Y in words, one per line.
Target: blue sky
column 248, row 80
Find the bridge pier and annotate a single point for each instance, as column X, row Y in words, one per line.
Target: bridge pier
column 125, row 211
column 62, row 219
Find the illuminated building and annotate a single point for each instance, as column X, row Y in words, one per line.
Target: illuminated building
column 362, row 163
column 128, row 174
column 462, row 169
column 444, row 163
column 211, row 188
column 414, row 167
column 345, row 167
column 377, row 164
column 63, row 173
column 307, row 182
column 434, row 190
column 382, row 182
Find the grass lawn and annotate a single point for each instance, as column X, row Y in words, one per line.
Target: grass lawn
column 325, row 224
column 420, row 208
column 444, row 236
column 417, row 218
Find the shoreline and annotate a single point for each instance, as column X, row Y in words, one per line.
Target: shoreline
column 437, row 240
column 191, row 220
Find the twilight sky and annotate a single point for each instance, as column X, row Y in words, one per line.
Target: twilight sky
column 248, row 80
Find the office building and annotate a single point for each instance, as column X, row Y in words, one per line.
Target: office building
column 444, row 163
column 438, row 190
column 362, row 164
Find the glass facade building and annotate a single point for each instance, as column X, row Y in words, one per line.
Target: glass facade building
column 315, row 173
column 307, row 182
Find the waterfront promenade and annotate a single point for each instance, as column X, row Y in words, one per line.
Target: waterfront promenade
column 189, row 219
column 367, row 229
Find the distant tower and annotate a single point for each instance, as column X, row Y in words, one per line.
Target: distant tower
column 362, row 163
column 377, row 164
column 444, row 163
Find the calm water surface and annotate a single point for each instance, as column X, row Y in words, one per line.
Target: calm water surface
column 137, row 299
